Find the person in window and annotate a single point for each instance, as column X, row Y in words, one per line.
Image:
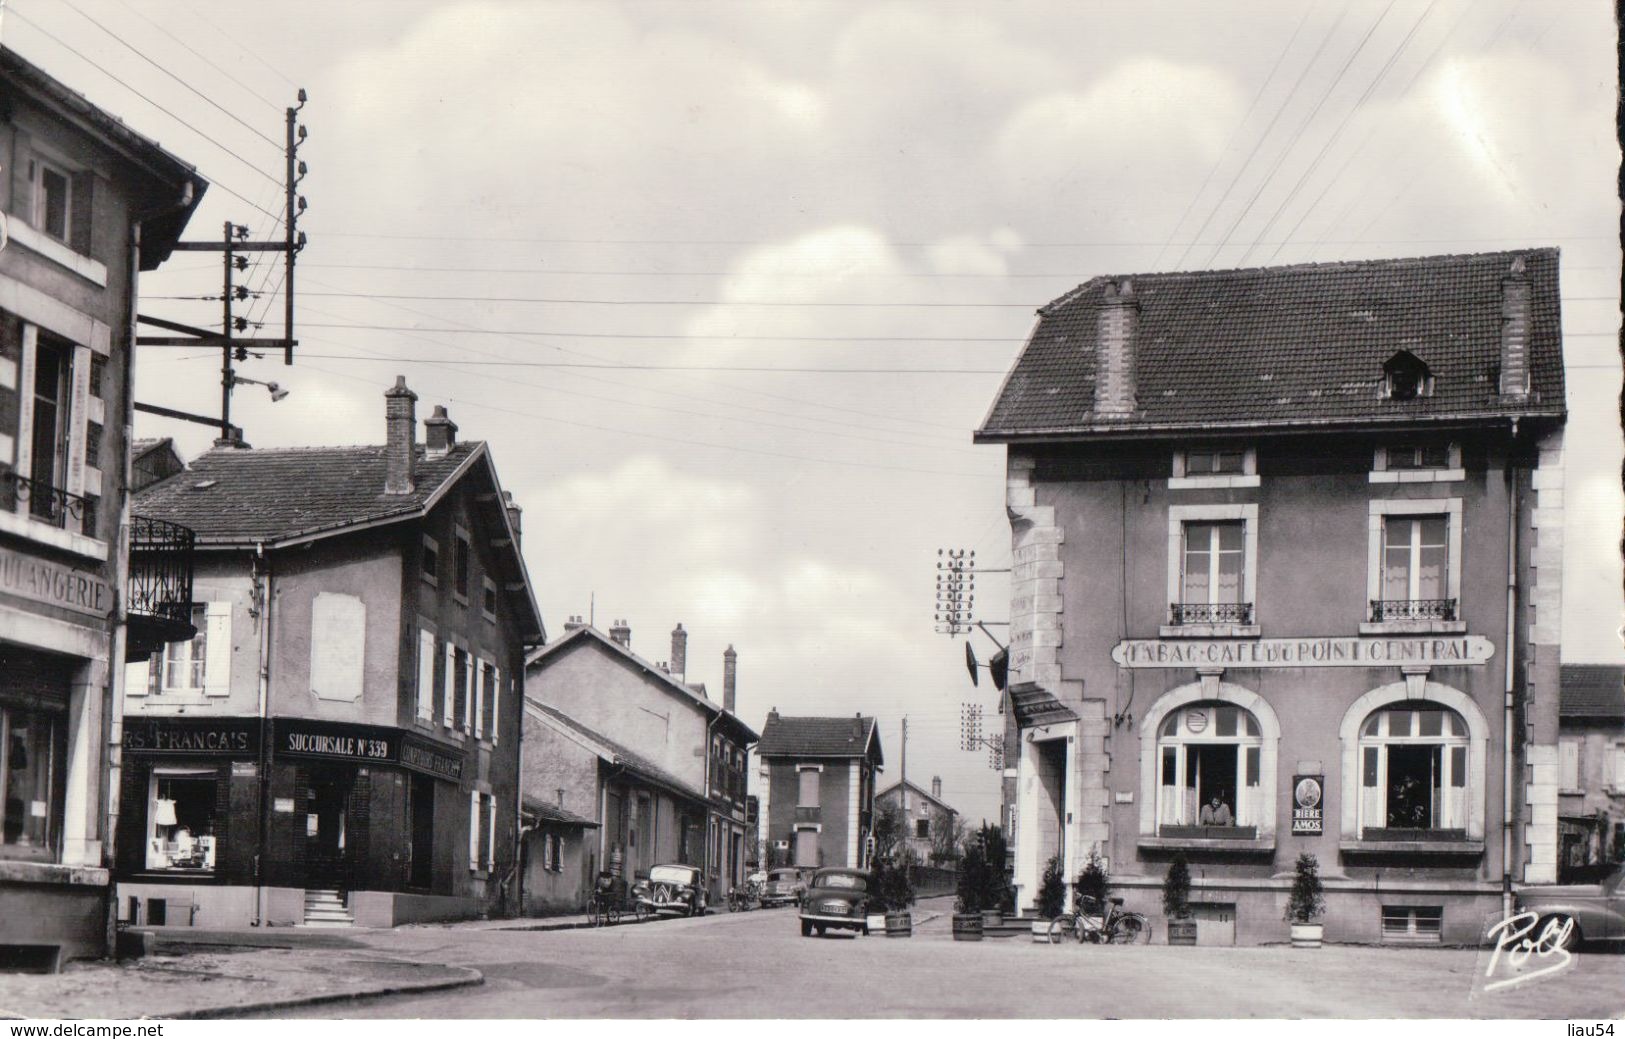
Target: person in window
column 1216, row 813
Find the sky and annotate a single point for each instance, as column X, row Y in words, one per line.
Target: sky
column 727, row 286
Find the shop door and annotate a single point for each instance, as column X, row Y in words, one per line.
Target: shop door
column 1215, row 922
column 1051, row 800
column 327, row 825
column 422, row 794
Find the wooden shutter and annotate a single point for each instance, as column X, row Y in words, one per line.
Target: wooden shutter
column 425, row 688
column 449, row 684
column 217, row 651
column 81, row 206
column 496, row 702
column 473, row 829
column 476, row 696
column 468, row 692
column 490, row 832
column 137, row 677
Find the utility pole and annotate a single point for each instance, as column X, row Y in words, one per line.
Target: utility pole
column 904, row 786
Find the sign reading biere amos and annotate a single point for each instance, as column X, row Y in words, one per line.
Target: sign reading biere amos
column 1308, row 795
column 1321, row 651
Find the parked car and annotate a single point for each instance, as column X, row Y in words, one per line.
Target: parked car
column 784, row 887
column 1597, row 910
column 836, row 898
column 673, row 888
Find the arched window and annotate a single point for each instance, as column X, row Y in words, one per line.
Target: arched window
column 1209, row 768
column 1413, row 770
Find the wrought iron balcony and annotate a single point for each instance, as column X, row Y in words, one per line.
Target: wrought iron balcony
column 45, row 503
column 159, row 596
column 1210, row 613
column 1413, row 610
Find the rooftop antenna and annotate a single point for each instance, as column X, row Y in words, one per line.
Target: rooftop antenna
column 592, row 607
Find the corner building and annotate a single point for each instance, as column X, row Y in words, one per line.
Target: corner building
column 1287, row 561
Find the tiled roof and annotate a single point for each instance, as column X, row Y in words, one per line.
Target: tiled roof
column 240, row 496
column 896, row 787
column 1034, row 706
column 141, row 445
column 547, row 812
column 1288, row 346
column 1592, row 691
column 817, row 737
column 615, row 753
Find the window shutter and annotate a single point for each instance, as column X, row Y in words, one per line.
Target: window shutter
column 217, row 653
column 476, row 696
column 1568, row 765
column 137, row 677
column 490, row 832
column 81, row 210
column 425, row 690
column 450, row 684
column 474, row 829
column 496, row 703
column 468, row 692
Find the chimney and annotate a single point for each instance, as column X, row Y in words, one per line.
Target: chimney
column 619, row 632
column 513, row 510
column 439, row 433
column 1117, row 322
column 1515, row 331
column 936, row 787
column 730, row 677
column 400, row 420
column 573, row 623
column 679, row 650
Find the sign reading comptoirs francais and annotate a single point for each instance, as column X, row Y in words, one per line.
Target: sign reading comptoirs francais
column 1334, row 651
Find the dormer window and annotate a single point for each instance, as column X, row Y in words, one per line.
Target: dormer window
column 1416, row 456
column 1214, row 461
column 1406, row 377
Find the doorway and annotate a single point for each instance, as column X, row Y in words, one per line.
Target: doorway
column 327, row 827
column 1210, row 772
column 422, row 846
column 1051, row 805
column 1215, row 922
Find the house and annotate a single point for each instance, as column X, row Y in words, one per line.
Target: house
column 1263, row 523
column 821, row 777
column 929, row 829
column 86, row 206
column 630, row 745
column 1591, row 767
column 340, row 741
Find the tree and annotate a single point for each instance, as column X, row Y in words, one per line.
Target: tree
column 1051, row 890
column 890, row 830
column 998, row 894
column 973, row 867
column 892, row 879
column 1306, row 903
column 948, row 839
column 1176, row 889
column 1093, row 884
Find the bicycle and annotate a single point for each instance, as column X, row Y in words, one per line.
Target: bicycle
column 1115, row 926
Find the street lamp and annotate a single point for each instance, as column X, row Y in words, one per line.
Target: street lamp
column 277, row 391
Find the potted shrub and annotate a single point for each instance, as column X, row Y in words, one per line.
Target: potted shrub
column 1093, row 884
column 998, row 897
column 1176, row 902
column 1306, row 903
column 968, row 903
column 894, row 890
column 1051, row 898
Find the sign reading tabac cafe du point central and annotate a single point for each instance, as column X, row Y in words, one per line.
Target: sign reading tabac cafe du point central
column 1322, row 651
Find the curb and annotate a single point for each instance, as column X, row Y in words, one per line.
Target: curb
column 470, row 978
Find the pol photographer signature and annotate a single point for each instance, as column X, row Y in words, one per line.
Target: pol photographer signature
column 1517, row 943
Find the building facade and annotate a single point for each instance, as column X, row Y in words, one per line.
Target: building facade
column 821, row 774
column 1287, row 563
column 1591, row 770
column 85, row 206
column 649, row 757
column 340, row 741
column 929, row 821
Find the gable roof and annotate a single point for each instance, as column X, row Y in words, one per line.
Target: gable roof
column 245, row 497
column 924, row 794
column 820, row 737
column 1035, row 706
column 611, row 752
column 1289, row 347
column 587, row 635
column 1591, row 691
column 547, row 812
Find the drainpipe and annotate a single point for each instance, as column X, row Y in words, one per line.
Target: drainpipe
column 262, row 592
column 1507, row 704
column 709, row 811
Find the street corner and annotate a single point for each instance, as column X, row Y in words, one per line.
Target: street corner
column 221, row 982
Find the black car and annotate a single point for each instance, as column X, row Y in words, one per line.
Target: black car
column 836, row 898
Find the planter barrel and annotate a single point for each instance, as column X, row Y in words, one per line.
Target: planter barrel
column 1041, row 931
column 991, row 918
column 876, row 922
column 1182, row 931
column 1307, row 936
column 967, row 927
column 899, row 925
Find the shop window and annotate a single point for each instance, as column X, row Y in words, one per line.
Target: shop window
column 1420, row 925
column 181, row 820
column 1413, row 772
column 32, row 747
column 1209, row 763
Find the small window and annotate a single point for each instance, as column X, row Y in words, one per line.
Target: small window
column 98, row 375
column 1215, row 462
column 1417, row 456
column 431, row 560
column 93, row 444
column 1412, row 924
column 488, row 599
column 53, row 191
column 460, row 566
column 922, row 829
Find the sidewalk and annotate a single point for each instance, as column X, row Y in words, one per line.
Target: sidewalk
column 200, row 974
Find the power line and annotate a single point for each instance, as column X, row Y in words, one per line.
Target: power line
column 224, row 187
column 675, row 367
column 211, row 101
column 1008, row 341
column 233, row 41
column 645, row 302
column 202, row 57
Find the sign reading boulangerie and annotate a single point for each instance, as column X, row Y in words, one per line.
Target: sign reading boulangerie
column 1320, row 651
column 54, row 584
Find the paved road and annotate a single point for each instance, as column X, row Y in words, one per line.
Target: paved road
column 757, row 965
